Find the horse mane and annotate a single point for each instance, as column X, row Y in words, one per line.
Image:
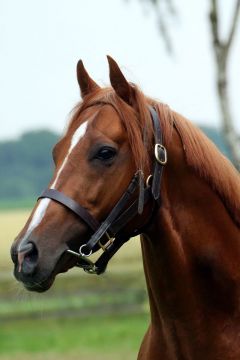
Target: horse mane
column 205, row 159
column 200, row 153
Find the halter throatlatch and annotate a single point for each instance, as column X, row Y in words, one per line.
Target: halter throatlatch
column 110, row 234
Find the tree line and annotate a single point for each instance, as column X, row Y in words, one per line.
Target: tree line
column 27, row 167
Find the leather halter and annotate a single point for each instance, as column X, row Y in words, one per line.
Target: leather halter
column 113, row 226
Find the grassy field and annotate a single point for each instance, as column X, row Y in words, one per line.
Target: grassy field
column 81, row 317
column 94, row 338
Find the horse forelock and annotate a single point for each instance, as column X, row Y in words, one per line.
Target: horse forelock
column 138, row 128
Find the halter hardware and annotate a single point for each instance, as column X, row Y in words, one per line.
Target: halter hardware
column 122, row 213
column 86, row 264
column 82, row 253
column 160, row 153
column 149, row 180
column 105, row 246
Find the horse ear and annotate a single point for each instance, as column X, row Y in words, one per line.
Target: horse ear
column 86, row 84
column 118, row 81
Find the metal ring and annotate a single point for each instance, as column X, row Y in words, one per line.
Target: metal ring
column 82, row 253
column 148, row 181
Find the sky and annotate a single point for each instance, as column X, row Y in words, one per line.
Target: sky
column 42, row 40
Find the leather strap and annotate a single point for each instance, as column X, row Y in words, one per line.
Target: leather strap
column 160, row 155
column 154, row 190
column 103, row 260
column 113, row 215
column 129, row 214
column 72, row 205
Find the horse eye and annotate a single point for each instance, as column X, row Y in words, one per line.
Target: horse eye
column 105, row 153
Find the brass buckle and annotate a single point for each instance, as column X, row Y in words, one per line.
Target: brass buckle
column 157, row 148
column 108, row 243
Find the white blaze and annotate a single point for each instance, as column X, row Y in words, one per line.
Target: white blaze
column 79, row 133
column 43, row 203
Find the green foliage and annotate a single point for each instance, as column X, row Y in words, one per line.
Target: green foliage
column 26, row 165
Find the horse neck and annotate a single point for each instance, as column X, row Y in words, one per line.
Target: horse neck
column 190, row 268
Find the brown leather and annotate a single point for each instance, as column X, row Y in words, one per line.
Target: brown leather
column 158, row 167
column 72, row 205
column 116, row 211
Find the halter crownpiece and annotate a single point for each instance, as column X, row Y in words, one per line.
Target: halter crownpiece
column 112, row 228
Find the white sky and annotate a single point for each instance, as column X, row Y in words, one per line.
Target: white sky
column 42, row 40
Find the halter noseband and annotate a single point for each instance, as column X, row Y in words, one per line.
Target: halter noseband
column 112, row 228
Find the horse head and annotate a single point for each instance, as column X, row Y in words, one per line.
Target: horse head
column 95, row 160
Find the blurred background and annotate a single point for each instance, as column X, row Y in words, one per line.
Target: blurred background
column 184, row 53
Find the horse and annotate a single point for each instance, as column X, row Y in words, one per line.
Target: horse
column 126, row 165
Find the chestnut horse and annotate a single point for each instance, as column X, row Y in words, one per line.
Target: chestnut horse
column 190, row 233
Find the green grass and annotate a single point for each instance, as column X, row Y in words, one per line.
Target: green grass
column 121, row 334
column 90, row 302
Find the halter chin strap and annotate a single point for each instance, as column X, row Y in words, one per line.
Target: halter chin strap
column 112, row 228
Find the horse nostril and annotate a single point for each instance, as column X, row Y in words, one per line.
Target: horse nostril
column 14, row 255
column 27, row 258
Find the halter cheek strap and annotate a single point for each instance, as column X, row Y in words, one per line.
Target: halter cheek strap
column 160, row 154
column 119, row 216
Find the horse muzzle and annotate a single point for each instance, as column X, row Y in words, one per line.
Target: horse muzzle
column 30, row 270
